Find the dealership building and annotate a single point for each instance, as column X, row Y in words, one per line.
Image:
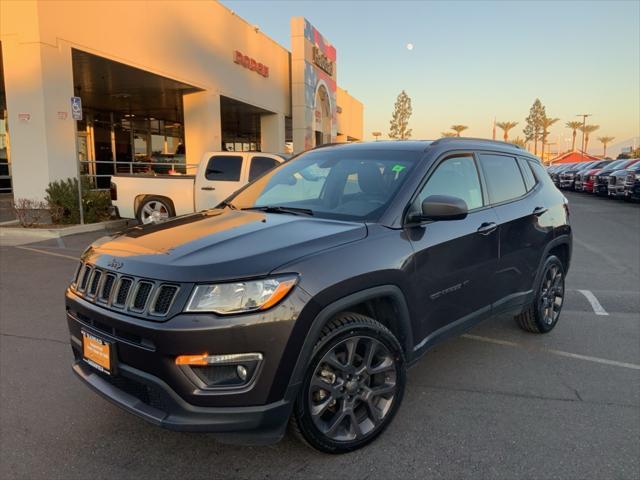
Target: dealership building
column 101, row 87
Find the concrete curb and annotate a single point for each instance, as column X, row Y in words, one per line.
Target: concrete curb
column 65, row 231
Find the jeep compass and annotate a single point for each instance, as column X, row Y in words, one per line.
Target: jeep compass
column 303, row 298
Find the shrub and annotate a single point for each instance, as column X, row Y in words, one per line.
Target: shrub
column 62, row 197
column 29, row 212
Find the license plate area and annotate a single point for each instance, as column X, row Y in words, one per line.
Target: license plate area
column 97, row 352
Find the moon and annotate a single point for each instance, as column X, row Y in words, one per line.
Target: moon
column 409, row 46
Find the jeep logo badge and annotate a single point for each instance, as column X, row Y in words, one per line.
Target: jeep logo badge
column 115, row 264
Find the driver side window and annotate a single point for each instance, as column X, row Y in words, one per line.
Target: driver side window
column 456, row 177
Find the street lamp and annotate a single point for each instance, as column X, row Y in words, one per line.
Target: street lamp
column 584, row 124
column 376, row 134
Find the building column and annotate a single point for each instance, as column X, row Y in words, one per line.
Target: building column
column 272, row 133
column 39, row 86
column 202, row 125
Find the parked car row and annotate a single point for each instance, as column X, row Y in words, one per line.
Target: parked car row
column 613, row 178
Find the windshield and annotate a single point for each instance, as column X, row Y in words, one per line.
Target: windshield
column 614, row 165
column 332, row 183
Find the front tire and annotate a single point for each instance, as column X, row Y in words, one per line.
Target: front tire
column 353, row 386
column 543, row 314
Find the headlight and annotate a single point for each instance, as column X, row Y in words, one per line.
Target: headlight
column 237, row 297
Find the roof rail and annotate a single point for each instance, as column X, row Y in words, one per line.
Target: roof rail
column 483, row 140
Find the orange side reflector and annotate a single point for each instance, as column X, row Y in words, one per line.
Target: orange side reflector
column 192, row 359
column 279, row 293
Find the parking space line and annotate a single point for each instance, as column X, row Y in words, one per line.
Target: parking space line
column 560, row 353
column 595, row 304
column 592, row 359
column 53, row 254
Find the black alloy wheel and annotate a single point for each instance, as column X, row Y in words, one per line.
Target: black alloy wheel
column 353, row 387
column 543, row 314
column 551, row 295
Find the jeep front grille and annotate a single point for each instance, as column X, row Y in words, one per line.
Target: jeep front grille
column 107, row 287
column 123, row 292
column 124, row 287
column 164, row 298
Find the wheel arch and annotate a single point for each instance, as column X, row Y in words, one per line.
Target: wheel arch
column 399, row 324
column 561, row 247
column 139, row 200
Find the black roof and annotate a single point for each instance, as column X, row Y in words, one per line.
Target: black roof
column 421, row 145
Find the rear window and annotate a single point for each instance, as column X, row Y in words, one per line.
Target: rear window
column 503, row 176
column 260, row 166
column 540, row 174
column 224, row 168
column 527, row 174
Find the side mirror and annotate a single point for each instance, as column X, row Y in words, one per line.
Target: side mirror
column 443, row 207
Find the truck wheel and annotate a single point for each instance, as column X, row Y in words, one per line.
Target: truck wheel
column 155, row 210
column 353, row 386
column 543, row 314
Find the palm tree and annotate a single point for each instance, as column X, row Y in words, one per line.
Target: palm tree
column 605, row 141
column 458, row 129
column 505, row 127
column 449, row 134
column 588, row 130
column 574, row 126
column 546, row 123
column 519, row 142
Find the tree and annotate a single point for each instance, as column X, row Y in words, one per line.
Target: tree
column 400, row 119
column 519, row 142
column 458, row 129
column 605, row 141
column 505, row 127
column 546, row 124
column 574, row 126
column 588, row 130
column 449, row 134
column 533, row 130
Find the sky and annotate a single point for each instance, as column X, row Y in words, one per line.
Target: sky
column 474, row 61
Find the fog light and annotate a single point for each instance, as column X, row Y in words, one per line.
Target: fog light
column 220, row 371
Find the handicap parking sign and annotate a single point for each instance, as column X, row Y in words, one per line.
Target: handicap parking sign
column 76, row 108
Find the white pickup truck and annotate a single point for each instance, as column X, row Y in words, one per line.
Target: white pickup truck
column 153, row 198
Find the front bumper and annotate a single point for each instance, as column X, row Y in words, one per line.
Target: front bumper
column 632, row 191
column 616, row 190
column 600, row 188
column 153, row 400
column 148, row 383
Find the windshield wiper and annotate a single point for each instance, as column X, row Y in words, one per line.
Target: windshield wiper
column 282, row 209
column 226, row 203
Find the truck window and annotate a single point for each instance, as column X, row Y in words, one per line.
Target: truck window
column 224, row 168
column 260, row 165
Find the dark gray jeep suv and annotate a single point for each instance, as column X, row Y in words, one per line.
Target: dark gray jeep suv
column 303, row 298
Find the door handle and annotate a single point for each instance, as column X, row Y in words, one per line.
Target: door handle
column 486, row 228
column 207, row 188
column 540, row 211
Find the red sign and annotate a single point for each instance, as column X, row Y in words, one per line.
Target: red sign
column 24, row 117
column 250, row 63
column 62, row 115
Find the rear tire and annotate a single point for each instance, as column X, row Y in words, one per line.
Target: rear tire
column 353, row 386
column 543, row 314
column 155, row 209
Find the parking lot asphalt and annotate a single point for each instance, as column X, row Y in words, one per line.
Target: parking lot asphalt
column 495, row 403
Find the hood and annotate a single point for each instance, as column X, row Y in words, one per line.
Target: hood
column 219, row 245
